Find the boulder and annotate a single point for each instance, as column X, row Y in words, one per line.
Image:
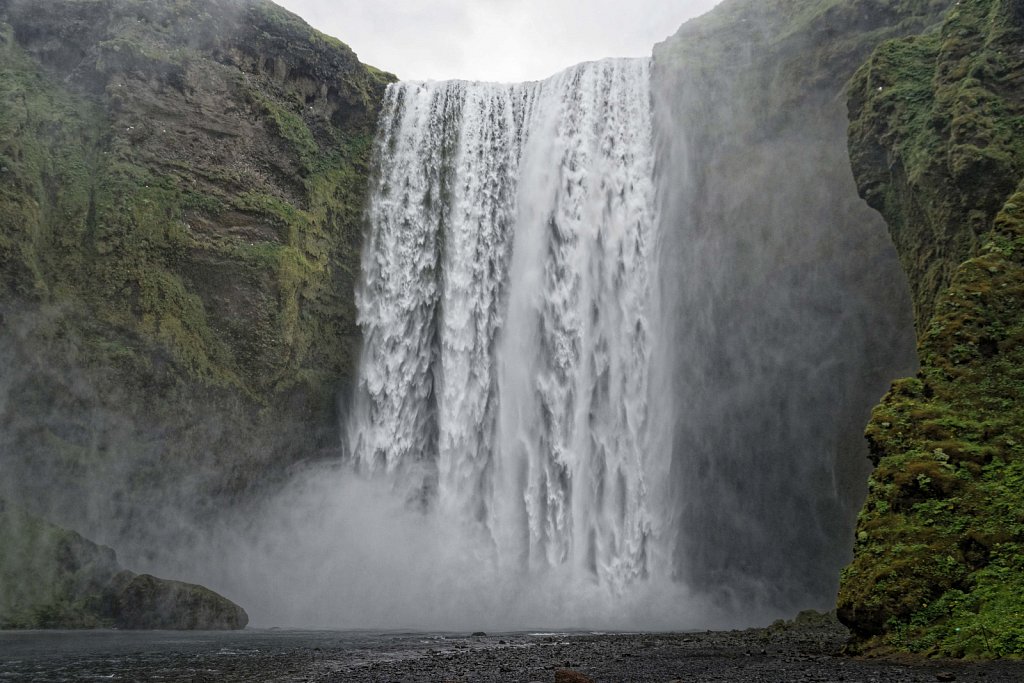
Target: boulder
column 570, row 676
column 151, row 603
column 51, row 577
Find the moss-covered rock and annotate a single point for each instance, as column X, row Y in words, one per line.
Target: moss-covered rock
column 936, row 146
column 50, row 577
column 54, row 578
column 181, row 193
column 147, row 602
column 937, row 138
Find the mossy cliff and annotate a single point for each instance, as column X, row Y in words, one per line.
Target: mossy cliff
column 792, row 313
column 937, row 145
column 181, row 193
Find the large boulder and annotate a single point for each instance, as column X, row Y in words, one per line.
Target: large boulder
column 151, row 603
column 54, row 578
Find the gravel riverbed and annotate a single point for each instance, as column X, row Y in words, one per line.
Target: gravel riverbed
column 783, row 653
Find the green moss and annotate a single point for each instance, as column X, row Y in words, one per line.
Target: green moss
column 291, row 127
column 936, row 139
column 46, row 152
column 941, row 537
column 897, row 80
column 52, row 578
column 278, row 21
column 181, row 193
column 936, row 146
column 105, row 219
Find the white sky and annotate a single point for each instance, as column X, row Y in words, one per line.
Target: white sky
column 494, row 40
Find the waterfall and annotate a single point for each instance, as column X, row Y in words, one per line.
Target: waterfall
column 507, row 306
column 617, row 358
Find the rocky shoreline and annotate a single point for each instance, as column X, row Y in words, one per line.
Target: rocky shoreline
column 780, row 653
column 803, row 650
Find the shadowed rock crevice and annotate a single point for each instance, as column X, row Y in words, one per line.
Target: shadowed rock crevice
column 788, row 314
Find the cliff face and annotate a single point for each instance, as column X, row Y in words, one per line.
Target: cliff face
column 181, row 193
column 937, row 144
column 935, row 140
column 791, row 315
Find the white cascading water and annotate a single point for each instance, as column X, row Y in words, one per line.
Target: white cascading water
column 507, row 305
column 538, row 440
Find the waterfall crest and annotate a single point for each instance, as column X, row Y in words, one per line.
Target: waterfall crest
column 507, row 306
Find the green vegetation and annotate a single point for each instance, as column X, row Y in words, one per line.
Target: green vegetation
column 937, row 139
column 181, row 193
column 936, row 146
column 760, row 163
column 940, row 541
column 49, row 577
column 98, row 206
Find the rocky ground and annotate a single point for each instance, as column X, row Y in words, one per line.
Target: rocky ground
column 753, row 655
column 792, row 652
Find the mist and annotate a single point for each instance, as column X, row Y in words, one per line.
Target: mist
column 782, row 315
column 334, row 549
column 787, row 315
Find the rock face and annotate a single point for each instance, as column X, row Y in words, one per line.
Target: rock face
column 54, row 578
column 791, row 315
column 181, row 188
column 937, row 144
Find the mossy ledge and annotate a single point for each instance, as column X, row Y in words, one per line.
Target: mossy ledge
column 937, row 145
column 181, row 196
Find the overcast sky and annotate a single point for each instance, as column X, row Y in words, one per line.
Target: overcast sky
column 494, row 40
